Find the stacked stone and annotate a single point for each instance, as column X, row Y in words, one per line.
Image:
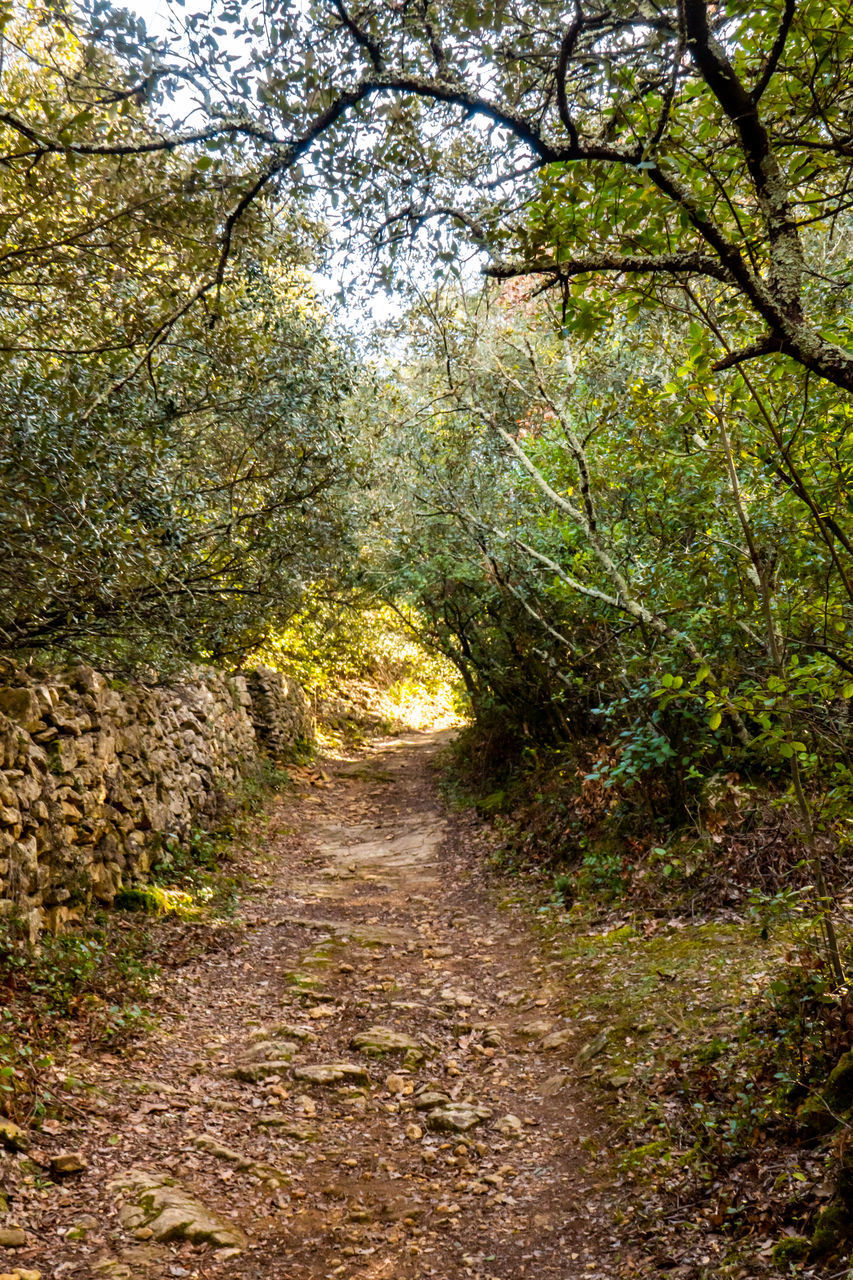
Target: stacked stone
column 94, row 778
column 282, row 713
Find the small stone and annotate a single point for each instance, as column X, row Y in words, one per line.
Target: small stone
column 112, row 1269
column 68, row 1162
column 535, row 1030
column 156, row 1201
column 379, row 1040
column 557, row 1039
column 815, row 1118
column 273, row 1050
column 457, row 1117
column 284, row 1031
column 12, row 1237
column 429, row 1099
column 593, row 1047
column 80, row 1228
column 205, row 1142
column 253, row 1072
column 838, row 1090
column 510, row 1126
column 791, row 1249
column 414, row 1132
column 326, row 1073
column 395, row 1084
column 13, row 1137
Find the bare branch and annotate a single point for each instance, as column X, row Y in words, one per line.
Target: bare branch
column 761, row 347
column 764, row 169
column 567, row 46
column 776, row 50
column 362, row 38
column 50, row 146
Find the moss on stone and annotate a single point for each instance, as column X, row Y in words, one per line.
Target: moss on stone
column 832, row 1226
column 839, row 1087
column 814, row 1118
column 650, row 1152
column 136, row 900
column 791, row 1249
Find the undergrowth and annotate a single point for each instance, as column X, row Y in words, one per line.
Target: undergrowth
column 689, row 945
column 90, row 986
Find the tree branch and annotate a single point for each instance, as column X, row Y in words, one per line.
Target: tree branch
column 776, row 50
column 761, row 347
column 567, row 46
column 49, row 146
column 740, row 106
column 695, row 263
column 362, row 38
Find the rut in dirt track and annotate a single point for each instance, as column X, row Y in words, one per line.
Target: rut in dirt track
column 370, row 915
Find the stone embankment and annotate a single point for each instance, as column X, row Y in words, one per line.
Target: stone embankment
column 97, row 777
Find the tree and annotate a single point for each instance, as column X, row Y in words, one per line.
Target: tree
column 168, row 485
column 663, row 141
column 598, row 544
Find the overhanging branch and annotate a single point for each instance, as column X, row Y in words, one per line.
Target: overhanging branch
column 702, row 264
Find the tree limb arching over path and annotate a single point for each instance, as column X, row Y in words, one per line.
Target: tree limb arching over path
column 696, row 133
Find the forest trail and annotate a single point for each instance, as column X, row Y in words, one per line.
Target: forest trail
column 367, row 914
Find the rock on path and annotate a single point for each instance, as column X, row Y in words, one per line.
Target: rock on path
column 365, row 1084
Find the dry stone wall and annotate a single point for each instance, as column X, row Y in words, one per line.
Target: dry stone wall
column 95, row 777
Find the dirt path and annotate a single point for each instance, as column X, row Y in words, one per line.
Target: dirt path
column 370, row 917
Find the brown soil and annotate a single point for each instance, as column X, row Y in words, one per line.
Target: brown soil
column 368, row 909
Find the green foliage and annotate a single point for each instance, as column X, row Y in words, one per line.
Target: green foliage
column 831, row 1229
column 335, row 640
column 791, row 1250
column 174, row 452
column 365, row 667
column 599, row 540
column 564, row 889
column 153, row 899
column 601, row 873
column 94, row 981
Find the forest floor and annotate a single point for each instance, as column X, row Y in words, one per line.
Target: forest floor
column 468, row 1143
